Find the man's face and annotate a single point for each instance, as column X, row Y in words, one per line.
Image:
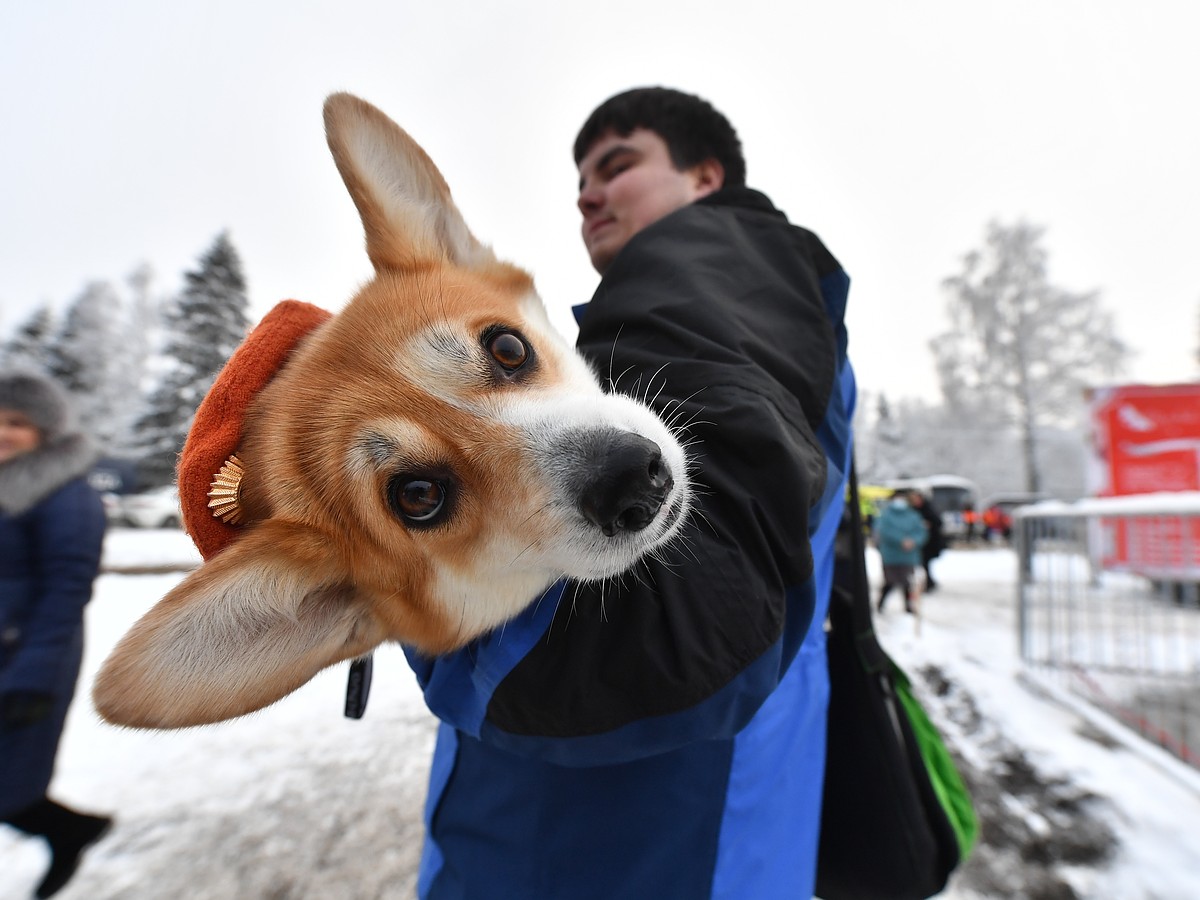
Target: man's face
column 627, row 183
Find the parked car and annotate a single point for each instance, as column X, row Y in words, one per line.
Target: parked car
column 998, row 511
column 114, row 509
column 156, row 508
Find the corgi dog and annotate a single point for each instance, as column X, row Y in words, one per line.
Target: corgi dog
column 427, row 463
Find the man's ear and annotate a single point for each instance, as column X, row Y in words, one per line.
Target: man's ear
column 708, row 177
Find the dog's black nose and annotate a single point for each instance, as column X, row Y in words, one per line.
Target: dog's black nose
column 627, row 485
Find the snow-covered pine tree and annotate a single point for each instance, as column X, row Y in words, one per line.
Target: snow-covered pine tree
column 84, row 357
column 888, row 459
column 29, row 346
column 140, row 333
column 1020, row 350
column 204, row 325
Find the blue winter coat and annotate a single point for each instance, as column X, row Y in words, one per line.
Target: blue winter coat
column 663, row 735
column 897, row 523
column 49, row 557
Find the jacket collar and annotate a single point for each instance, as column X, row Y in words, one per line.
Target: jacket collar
column 741, row 198
column 734, row 197
column 31, row 477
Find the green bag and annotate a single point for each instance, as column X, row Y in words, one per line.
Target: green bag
column 947, row 783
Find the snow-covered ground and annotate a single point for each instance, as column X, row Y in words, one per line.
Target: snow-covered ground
column 1071, row 805
column 298, row 802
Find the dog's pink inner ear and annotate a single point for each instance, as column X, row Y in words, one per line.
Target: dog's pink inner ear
column 406, row 208
column 245, row 630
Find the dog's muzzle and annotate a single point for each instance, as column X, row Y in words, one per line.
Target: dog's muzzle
column 627, row 484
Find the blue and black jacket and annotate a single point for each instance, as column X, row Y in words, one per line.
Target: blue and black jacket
column 49, row 556
column 663, row 735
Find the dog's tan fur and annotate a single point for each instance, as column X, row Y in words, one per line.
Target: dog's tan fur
column 399, row 381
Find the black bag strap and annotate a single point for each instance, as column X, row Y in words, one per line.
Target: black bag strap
column 850, row 605
column 883, row 832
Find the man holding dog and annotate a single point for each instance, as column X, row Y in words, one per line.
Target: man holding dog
column 664, row 735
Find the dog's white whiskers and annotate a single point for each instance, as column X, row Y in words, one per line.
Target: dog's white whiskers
column 462, row 621
column 557, row 607
column 688, row 546
column 690, row 422
column 574, row 601
column 533, row 514
column 637, row 571
column 637, row 386
column 646, row 398
column 700, row 516
column 612, row 355
column 674, row 410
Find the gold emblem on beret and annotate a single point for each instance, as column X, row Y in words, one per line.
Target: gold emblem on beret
column 223, row 497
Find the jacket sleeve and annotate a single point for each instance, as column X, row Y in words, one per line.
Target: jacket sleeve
column 689, row 644
column 922, row 533
column 68, row 537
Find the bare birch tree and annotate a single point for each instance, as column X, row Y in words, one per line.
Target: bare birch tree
column 1020, row 350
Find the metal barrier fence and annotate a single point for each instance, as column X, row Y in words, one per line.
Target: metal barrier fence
column 1108, row 606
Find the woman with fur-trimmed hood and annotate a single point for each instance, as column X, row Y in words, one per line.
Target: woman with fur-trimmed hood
column 51, row 531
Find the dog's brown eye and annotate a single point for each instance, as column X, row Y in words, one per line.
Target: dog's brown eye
column 508, row 350
column 418, row 500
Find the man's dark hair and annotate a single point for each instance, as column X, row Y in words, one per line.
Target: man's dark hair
column 691, row 127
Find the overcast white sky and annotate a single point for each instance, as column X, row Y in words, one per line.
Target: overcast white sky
column 136, row 131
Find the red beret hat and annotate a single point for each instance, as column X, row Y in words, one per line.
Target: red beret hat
column 217, row 429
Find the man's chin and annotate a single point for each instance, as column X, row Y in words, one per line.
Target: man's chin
column 602, row 256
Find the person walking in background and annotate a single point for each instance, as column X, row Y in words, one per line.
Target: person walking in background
column 900, row 533
column 997, row 524
column 935, row 542
column 970, row 523
column 51, row 532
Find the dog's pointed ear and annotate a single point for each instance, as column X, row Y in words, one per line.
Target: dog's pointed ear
column 246, row 629
column 405, row 204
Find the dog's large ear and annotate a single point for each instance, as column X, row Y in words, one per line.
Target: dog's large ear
column 244, row 630
column 405, row 204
